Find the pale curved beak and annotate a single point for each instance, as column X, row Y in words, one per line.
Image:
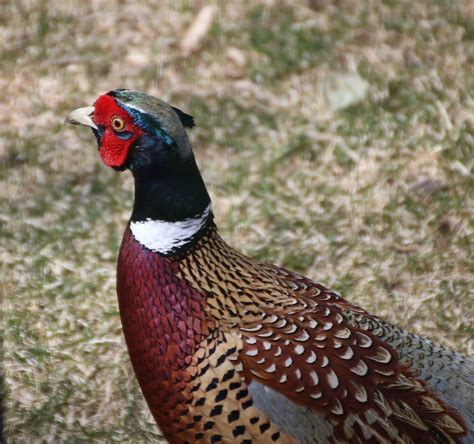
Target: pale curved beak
column 82, row 116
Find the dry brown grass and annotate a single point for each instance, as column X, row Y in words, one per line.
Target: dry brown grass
column 375, row 200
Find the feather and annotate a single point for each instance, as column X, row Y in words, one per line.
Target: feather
column 186, row 119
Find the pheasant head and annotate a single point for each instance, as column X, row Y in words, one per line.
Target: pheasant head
column 134, row 130
column 147, row 136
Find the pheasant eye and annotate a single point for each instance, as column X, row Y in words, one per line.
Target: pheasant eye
column 118, row 124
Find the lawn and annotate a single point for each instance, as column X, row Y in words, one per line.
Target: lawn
column 368, row 189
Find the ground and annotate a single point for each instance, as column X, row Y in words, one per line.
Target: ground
column 369, row 191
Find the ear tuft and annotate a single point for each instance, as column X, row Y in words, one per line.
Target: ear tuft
column 186, row 119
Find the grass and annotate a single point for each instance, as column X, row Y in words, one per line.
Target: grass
column 374, row 200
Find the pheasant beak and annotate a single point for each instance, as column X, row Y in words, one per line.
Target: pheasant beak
column 82, row 116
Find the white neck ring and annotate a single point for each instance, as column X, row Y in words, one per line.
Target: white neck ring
column 167, row 237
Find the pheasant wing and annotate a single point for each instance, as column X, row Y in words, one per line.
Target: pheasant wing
column 353, row 382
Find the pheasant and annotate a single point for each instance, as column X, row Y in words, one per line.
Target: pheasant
column 229, row 349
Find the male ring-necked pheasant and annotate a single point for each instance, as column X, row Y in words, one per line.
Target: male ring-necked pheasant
column 228, row 349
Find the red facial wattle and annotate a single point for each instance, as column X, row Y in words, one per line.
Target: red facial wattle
column 114, row 146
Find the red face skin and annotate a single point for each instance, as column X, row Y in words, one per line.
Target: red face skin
column 114, row 149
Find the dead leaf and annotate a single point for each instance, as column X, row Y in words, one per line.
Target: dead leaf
column 236, row 56
column 198, row 29
column 137, row 58
column 344, row 89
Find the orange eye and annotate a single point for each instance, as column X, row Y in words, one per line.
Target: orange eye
column 118, row 124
